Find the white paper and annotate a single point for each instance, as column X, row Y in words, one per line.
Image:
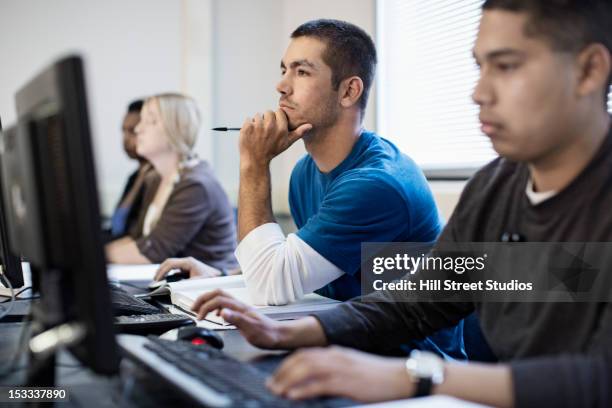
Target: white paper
column 206, row 284
column 207, row 324
column 127, row 273
column 437, row 401
column 310, row 303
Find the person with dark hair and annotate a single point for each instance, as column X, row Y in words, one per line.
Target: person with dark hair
column 542, row 99
column 349, row 52
column 185, row 211
column 128, row 208
column 353, row 186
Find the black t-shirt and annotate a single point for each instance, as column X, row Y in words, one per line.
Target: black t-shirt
column 560, row 353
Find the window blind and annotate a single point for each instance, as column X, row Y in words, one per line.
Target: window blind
column 426, row 76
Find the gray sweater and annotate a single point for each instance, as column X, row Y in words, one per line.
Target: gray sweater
column 560, row 353
column 196, row 221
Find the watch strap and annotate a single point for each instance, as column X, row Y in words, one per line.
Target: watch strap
column 423, row 387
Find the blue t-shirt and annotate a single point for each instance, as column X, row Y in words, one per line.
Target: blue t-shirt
column 377, row 194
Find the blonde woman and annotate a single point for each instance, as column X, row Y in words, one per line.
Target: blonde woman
column 185, row 211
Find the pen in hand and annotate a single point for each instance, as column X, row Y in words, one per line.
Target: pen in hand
column 226, row 129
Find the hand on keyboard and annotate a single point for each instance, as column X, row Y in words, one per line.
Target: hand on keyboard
column 259, row 330
column 343, row 372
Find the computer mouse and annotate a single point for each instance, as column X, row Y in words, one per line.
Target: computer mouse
column 174, row 275
column 200, row 335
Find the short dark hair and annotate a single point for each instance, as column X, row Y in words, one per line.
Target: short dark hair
column 349, row 51
column 135, row 106
column 568, row 25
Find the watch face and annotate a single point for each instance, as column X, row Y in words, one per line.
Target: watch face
column 424, row 364
column 429, row 363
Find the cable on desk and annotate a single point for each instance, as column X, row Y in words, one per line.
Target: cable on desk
column 22, row 290
column 30, row 298
column 12, row 300
column 19, row 292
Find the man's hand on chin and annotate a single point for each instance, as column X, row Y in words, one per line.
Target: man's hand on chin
column 264, row 137
column 342, row 372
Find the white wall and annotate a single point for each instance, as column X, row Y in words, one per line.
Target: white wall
column 446, row 194
column 132, row 49
column 225, row 53
column 249, row 42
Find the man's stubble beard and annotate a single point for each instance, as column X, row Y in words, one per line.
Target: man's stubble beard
column 326, row 117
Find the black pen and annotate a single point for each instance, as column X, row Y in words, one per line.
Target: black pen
column 226, row 129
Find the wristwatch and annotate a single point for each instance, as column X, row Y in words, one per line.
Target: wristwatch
column 425, row 369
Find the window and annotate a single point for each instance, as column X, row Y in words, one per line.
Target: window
column 426, row 76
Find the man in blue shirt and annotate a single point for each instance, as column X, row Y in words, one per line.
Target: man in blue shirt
column 375, row 194
column 352, row 187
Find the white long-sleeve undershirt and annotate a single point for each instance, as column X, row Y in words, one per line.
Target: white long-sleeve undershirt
column 278, row 269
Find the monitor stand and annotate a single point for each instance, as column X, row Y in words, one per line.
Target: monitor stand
column 49, row 330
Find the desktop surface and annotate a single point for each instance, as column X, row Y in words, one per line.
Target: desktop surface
column 135, row 387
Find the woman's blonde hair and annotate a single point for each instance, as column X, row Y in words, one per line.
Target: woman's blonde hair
column 181, row 119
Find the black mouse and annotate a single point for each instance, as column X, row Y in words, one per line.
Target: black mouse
column 200, row 335
column 177, row 276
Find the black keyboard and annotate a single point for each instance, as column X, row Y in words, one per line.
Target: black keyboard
column 205, row 374
column 126, row 304
column 151, row 323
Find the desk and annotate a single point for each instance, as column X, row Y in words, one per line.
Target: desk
column 135, row 387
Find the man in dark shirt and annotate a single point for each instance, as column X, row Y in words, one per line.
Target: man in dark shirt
column 127, row 210
column 544, row 79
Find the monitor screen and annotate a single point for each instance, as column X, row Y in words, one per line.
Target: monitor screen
column 11, row 263
column 50, row 194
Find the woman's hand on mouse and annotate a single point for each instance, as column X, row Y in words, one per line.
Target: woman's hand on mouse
column 191, row 265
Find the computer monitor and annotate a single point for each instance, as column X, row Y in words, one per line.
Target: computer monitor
column 49, row 191
column 10, row 263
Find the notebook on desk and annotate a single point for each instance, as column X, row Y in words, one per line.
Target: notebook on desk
column 184, row 293
column 201, row 284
